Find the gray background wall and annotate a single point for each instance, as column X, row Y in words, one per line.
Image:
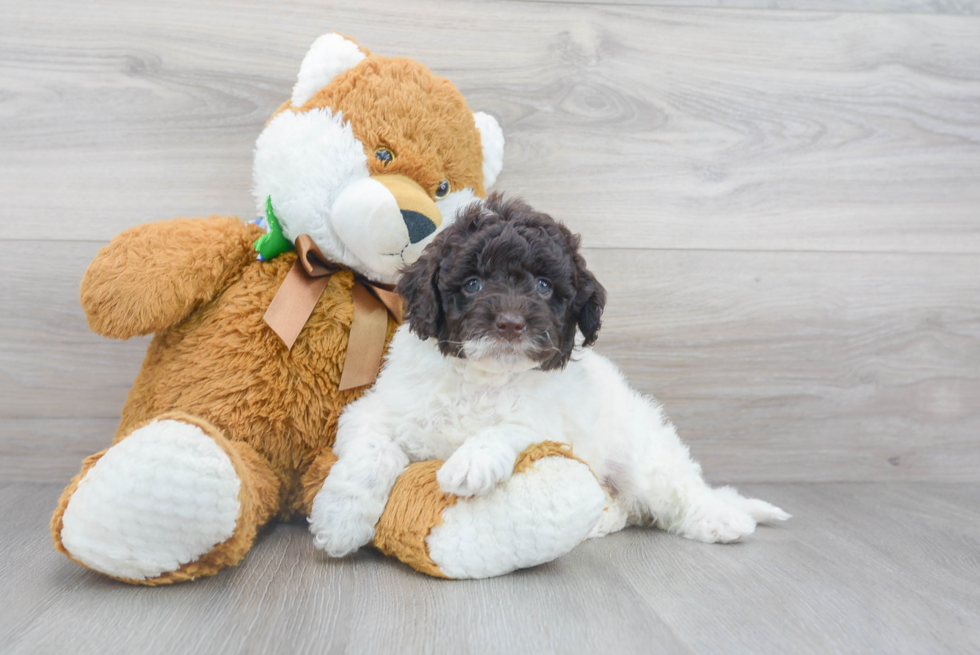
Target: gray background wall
column 783, row 204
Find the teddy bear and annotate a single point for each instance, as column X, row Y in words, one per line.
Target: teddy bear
column 230, row 422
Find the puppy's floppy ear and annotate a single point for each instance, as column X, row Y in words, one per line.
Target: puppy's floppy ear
column 419, row 286
column 590, row 299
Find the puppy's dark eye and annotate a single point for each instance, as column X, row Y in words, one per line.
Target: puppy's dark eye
column 543, row 286
column 384, row 155
column 443, row 189
column 472, row 285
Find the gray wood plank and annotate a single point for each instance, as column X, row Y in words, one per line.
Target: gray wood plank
column 805, row 366
column 955, row 7
column 774, row 366
column 51, row 449
column 861, row 568
column 645, row 126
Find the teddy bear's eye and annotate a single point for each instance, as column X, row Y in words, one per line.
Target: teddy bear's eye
column 384, row 155
column 443, row 190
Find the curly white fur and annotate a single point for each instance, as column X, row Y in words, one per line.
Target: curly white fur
column 479, row 417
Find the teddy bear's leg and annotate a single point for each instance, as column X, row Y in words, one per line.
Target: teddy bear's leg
column 545, row 509
column 174, row 500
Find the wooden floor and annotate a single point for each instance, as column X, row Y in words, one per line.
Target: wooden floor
column 782, row 197
column 862, row 567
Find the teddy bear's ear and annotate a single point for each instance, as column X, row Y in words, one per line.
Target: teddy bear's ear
column 492, row 141
column 329, row 56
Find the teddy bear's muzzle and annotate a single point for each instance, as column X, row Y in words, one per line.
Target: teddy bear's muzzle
column 386, row 221
column 419, row 212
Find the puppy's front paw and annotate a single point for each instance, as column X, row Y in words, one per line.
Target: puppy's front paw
column 475, row 470
column 716, row 522
column 340, row 524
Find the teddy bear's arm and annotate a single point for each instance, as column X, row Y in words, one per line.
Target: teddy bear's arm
column 152, row 276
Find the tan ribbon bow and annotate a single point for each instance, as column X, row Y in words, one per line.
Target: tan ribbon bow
column 297, row 296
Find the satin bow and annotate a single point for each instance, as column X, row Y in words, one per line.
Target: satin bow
column 297, row 296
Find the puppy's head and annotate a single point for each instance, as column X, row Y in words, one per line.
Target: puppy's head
column 504, row 286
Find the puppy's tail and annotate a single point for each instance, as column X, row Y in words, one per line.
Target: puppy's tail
column 759, row 510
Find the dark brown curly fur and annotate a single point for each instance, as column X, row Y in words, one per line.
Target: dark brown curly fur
column 509, row 248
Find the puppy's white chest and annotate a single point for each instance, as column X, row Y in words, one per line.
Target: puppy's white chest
column 451, row 414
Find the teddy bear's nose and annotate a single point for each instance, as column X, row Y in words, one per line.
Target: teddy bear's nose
column 419, row 213
column 419, row 225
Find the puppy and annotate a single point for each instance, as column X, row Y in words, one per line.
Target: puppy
column 488, row 364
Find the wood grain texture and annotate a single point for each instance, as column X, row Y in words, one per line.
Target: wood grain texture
column 861, row 568
column 797, row 366
column 967, row 7
column 51, row 449
column 768, row 196
column 643, row 126
column 774, row 366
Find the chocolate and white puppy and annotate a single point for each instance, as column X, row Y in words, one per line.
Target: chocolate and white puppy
column 506, row 288
column 488, row 364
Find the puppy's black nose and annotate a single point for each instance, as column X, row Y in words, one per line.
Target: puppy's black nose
column 510, row 326
column 419, row 225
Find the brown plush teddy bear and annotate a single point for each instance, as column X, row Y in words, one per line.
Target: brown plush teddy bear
column 231, row 419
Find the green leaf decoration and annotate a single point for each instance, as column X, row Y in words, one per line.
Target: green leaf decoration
column 271, row 244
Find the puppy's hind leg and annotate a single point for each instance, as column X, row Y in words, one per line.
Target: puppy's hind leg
column 659, row 481
column 759, row 510
column 680, row 501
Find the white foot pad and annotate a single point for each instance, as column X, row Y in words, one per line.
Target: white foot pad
column 530, row 519
column 160, row 498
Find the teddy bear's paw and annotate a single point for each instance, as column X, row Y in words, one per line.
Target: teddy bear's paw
column 342, row 524
column 475, row 469
column 160, row 498
column 715, row 521
column 535, row 516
